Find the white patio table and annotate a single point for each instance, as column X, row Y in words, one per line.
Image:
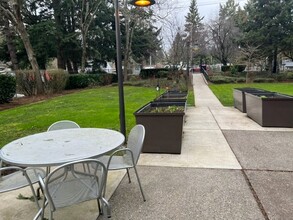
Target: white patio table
column 61, row 146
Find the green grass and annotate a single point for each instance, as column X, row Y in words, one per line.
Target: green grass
column 224, row 92
column 97, row 107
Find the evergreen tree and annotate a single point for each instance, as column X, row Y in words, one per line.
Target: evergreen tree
column 193, row 27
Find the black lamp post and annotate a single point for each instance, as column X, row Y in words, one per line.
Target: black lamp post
column 139, row 3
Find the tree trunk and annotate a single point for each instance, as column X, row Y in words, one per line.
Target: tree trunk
column 31, row 57
column 83, row 57
column 11, row 47
column 275, row 61
column 60, row 56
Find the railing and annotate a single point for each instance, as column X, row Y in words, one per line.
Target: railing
column 205, row 74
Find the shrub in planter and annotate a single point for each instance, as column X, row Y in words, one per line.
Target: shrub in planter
column 7, row 88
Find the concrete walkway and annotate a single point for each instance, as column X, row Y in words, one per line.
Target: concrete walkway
column 229, row 168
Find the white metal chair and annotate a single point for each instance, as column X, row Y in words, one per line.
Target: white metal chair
column 73, row 183
column 64, row 124
column 59, row 125
column 18, row 177
column 130, row 156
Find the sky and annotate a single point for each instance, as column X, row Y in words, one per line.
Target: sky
column 173, row 12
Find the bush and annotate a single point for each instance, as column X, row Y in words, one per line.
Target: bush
column 290, row 75
column 240, row 80
column 222, row 79
column 149, row 73
column 7, row 88
column 263, row 80
column 80, row 81
column 26, row 83
column 55, row 80
column 225, row 68
column 239, row 67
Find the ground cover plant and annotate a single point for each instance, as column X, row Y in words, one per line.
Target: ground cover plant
column 224, row 92
column 98, row 107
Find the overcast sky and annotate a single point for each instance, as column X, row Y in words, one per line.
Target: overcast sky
column 173, row 13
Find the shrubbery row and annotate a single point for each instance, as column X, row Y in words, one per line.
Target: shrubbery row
column 7, row 88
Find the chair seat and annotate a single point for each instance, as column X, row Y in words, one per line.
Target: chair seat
column 17, row 180
column 117, row 162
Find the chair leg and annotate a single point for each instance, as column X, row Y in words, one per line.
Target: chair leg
column 139, row 183
column 35, row 196
column 127, row 169
column 106, row 209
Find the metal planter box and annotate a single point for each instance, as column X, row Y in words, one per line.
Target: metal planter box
column 172, row 96
column 239, row 97
column 270, row 110
column 163, row 130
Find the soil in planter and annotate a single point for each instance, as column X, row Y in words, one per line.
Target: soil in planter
column 165, row 109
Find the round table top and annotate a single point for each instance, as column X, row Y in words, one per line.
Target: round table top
column 61, row 146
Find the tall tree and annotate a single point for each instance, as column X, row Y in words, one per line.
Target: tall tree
column 177, row 51
column 87, row 13
column 9, row 37
column 225, row 33
column 193, row 27
column 269, row 24
column 12, row 10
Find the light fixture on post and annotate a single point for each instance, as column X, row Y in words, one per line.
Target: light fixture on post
column 142, row 3
column 139, row 3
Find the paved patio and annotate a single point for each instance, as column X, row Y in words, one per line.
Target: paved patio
column 229, row 168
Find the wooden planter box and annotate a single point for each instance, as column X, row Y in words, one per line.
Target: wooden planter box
column 270, row 110
column 239, row 97
column 163, row 130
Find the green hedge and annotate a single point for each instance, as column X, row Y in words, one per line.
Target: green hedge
column 264, row 80
column 157, row 73
column 237, row 68
column 7, row 88
column 79, row 81
column 222, row 79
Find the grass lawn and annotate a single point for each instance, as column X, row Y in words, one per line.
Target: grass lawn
column 224, row 92
column 97, row 107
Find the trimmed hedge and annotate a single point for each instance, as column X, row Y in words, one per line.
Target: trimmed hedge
column 264, row 80
column 222, row 79
column 7, row 88
column 54, row 81
column 80, row 81
column 237, row 68
column 157, row 73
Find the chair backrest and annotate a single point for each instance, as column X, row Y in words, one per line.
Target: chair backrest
column 64, row 124
column 75, row 182
column 135, row 141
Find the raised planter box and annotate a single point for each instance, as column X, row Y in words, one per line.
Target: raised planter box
column 163, row 129
column 172, row 96
column 239, row 97
column 270, row 109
